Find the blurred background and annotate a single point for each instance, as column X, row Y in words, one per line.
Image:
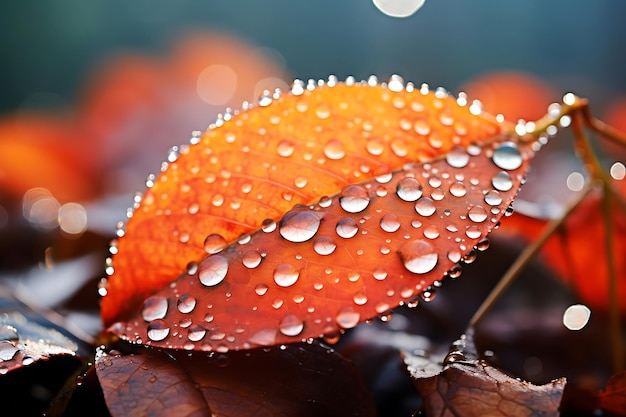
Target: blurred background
column 93, row 94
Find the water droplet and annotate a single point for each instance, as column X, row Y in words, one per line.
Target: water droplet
column 268, row 225
column 502, row 181
column 360, row 298
column 483, row 244
column 457, row 157
column 324, row 245
column 458, row 189
column 9, row 334
column 213, row 270
column 346, row 228
column 374, row 147
column 473, row 232
column 493, row 198
column 291, row 325
column 214, row 243
column 409, row 189
column 285, row 148
column 425, row 207
column 261, row 289
column 299, row 226
column 334, row 149
column 454, row 356
column 186, row 303
column 434, row 182
column 154, row 307
column 428, row 294
column 300, row 182
column 421, row 127
column 379, row 273
column 158, row 330
column 251, row 259
column 477, row 214
column 286, row 275
column 418, row 256
column 354, row 198
column 347, row 318
column 454, row 256
column 431, row 232
column 507, row 156
column 455, row 271
column 390, row 222
column 323, row 111
column 395, row 83
column 8, row 350
column 196, row 333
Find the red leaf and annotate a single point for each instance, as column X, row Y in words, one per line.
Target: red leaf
column 389, row 230
column 276, row 382
column 613, row 399
column 468, row 386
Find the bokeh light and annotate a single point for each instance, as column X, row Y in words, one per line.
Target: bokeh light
column 399, row 8
column 576, row 316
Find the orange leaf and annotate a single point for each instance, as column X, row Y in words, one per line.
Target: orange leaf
column 391, row 226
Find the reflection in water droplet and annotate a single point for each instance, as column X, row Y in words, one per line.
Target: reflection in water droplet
column 291, row 325
column 502, row 181
column 409, row 189
column 299, row 226
column 334, row 149
column 457, row 157
column 286, row 275
column 507, row 156
column 154, row 307
column 214, row 243
column 418, row 256
column 7, row 350
column 347, row 318
column 425, row 207
column 251, row 259
column 431, row 232
column 346, row 228
column 458, row 189
column 324, row 245
column 390, row 222
column 354, row 199
column 196, row 333
column 493, row 198
column 477, row 214
column 213, row 270
column 186, row 303
column 158, row 330
column 473, row 232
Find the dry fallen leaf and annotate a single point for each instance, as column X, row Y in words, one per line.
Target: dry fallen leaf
column 466, row 386
column 297, row 380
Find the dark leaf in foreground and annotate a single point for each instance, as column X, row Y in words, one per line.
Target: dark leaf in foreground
column 613, row 399
column 297, row 380
column 468, row 386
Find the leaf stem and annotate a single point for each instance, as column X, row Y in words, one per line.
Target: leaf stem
column 525, row 257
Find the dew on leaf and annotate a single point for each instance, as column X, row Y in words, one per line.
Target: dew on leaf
column 507, row 156
column 409, row 189
column 213, row 270
column 158, row 330
column 502, row 181
column 477, row 214
column 196, row 333
column 347, row 317
column 324, row 245
column 354, row 199
column 154, row 307
column 285, row 275
column 291, row 325
column 458, row 189
column 390, row 222
column 214, row 243
column 346, row 228
column 418, row 256
column 186, row 303
column 251, row 259
column 299, row 226
column 425, row 207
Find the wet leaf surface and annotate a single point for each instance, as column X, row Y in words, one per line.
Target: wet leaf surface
column 461, row 384
column 301, row 379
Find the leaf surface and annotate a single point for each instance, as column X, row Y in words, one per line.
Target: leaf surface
column 399, row 186
column 468, row 386
column 303, row 380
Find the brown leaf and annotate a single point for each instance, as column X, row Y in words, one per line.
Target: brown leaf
column 297, row 380
column 468, row 386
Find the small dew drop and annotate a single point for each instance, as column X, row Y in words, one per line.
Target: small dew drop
column 285, row 148
column 285, row 275
column 347, row 318
column 477, row 214
column 324, row 245
column 507, row 156
column 390, row 222
column 196, row 333
column 425, row 207
column 261, row 289
column 214, row 243
column 360, row 298
column 334, row 149
column 502, row 181
column 457, row 157
column 354, row 199
column 291, row 325
column 251, row 259
column 493, row 198
column 458, row 189
column 431, row 232
column 409, row 189
column 346, row 228
column 186, row 303
column 158, row 330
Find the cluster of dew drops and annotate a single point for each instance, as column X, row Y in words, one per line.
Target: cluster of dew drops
column 353, row 199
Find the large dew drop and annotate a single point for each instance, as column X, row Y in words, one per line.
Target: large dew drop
column 291, row 325
column 213, row 270
column 507, row 156
column 425, row 207
column 214, row 243
column 186, row 303
column 354, row 199
column 502, row 181
column 347, row 317
column 457, row 157
column 324, row 245
column 299, row 226
column 418, row 256
column 285, row 275
column 346, row 228
column 154, row 307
